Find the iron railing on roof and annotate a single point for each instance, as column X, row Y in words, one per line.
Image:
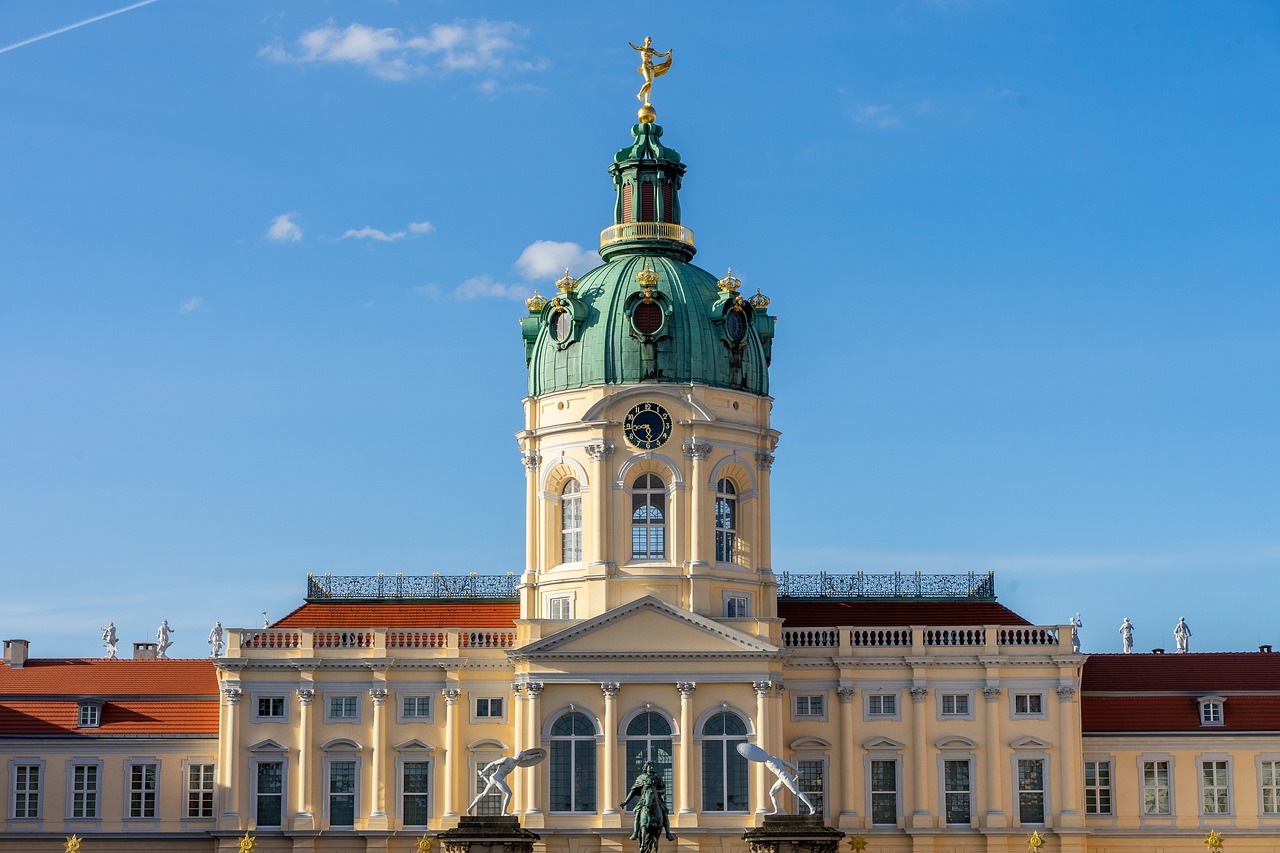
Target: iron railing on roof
column 398, row 587
column 912, row 585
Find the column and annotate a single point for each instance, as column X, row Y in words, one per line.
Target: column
column 378, row 812
column 920, row 758
column 304, row 818
column 533, row 803
column 700, row 520
column 847, row 772
column 519, row 745
column 451, row 756
column 764, row 533
column 610, row 757
column 994, row 754
column 763, row 726
column 533, row 534
column 684, row 782
column 1067, row 755
column 601, row 488
column 231, row 701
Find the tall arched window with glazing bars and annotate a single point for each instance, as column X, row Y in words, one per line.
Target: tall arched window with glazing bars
column 648, row 518
column 571, row 522
column 724, row 769
column 649, row 739
column 573, row 764
column 726, row 521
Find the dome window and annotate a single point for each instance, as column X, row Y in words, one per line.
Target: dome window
column 561, row 325
column 735, row 325
column 647, row 318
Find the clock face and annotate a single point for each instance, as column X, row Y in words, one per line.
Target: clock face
column 647, row 426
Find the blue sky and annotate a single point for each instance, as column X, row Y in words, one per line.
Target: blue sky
column 261, row 263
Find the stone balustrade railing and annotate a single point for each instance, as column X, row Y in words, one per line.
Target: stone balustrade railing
column 927, row 639
column 305, row 642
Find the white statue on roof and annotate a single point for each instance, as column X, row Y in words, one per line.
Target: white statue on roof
column 162, row 638
column 1181, row 634
column 216, row 640
column 1076, row 625
column 1126, row 635
column 110, row 640
column 266, row 623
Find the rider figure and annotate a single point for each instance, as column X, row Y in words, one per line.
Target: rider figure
column 652, row 792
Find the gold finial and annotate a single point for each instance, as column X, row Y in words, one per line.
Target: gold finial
column 649, row 71
column 425, row 844
column 1213, row 841
column 647, row 276
column 566, row 283
column 536, row 302
column 759, row 300
column 72, row 844
column 858, row 843
column 730, row 283
column 1035, row 841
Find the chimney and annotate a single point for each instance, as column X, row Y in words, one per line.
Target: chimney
column 1157, row 651
column 15, row 652
column 145, row 651
column 1266, row 650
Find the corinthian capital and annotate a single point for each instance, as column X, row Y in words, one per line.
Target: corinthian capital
column 696, row 450
column 599, row 450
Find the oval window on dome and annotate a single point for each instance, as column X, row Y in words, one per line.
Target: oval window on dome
column 647, row 318
column 735, row 326
column 561, row 325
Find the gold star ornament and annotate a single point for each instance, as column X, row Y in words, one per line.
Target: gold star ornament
column 72, row 844
column 425, row 844
column 1035, row 841
column 857, row 843
column 247, row 844
column 1213, row 841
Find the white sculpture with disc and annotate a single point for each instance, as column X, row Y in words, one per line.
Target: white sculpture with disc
column 495, row 775
column 780, row 767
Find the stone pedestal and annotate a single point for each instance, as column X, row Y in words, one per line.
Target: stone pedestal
column 492, row 834
column 793, row 834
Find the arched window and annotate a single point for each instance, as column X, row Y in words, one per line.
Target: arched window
column 571, row 522
column 726, row 521
column 649, row 739
column 648, row 518
column 573, row 764
column 724, row 770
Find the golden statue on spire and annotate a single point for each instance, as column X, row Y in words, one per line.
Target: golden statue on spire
column 649, row 71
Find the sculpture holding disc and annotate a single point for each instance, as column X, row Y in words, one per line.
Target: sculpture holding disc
column 780, row 767
column 495, row 775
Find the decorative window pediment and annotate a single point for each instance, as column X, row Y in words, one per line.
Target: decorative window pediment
column 414, row 745
column 341, row 744
column 956, row 742
column 268, row 745
column 809, row 743
column 882, row 744
column 1030, row 742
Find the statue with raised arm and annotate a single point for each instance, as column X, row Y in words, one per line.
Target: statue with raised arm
column 1181, row 635
column 216, row 640
column 780, row 767
column 1126, row 635
column 110, row 640
column 162, row 639
column 652, row 812
column 495, row 775
column 1076, row 625
column 648, row 69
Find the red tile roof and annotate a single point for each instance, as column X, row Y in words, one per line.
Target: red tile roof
column 1203, row 672
column 59, row 717
column 1166, row 713
column 98, row 677
column 813, row 614
column 402, row 615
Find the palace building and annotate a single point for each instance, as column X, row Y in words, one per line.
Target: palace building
column 649, row 623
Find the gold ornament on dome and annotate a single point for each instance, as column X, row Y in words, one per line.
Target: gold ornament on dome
column 647, row 276
column 1213, row 841
column 425, row 844
column 759, row 300
column 536, row 302
column 648, row 70
column 857, row 843
column 246, row 844
column 566, row 283
column 730, row 283
column 1035, row 841
column 72, row 844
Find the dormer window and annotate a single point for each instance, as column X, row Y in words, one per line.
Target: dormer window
column 90, row 715
column 1211, row 710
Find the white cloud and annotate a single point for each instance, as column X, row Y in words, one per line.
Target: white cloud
column 431, row 290
column 546, row 259
column 367, row 233
column 466, row 46
column 484, row 287
column 284, row 230
column 195, row 303
column 880, row 116
column 423, row 227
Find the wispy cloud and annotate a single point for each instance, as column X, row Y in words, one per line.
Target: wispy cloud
column 423, row 227
column 475, row 47
column 284, row 230
column 484, row 287
column 367, row 233
column 76, row 25
column 546, row 258
column 879, row 116
column 195, row 303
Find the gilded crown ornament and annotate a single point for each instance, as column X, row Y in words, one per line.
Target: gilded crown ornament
column 536, row 302
column 649, row 71
column 566, row 283
column 759, row 301
column 729, row 282
column 647, row 276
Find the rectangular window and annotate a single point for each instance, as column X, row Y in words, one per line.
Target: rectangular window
column 416, row 781
column 271, row 707
column 342, row 793
column 199, row 790
column 1215, row 787
column 955, row 704
column 884, row 792
column 882, row 704
column 810, row 706
column 560, row 607
column 489, row 708
column 270, row 792
column 1028, row 703
column 736, row 606
column 26, row 790
column 84, row 791
column 1097, row 787
column 90, row 716
column 343, row 707
column 1211, row 713
column 1155, row 788
column 416, row 707
column 812, row 779
column 1031, row 790
column 1270, row 771
column 955, row 786
column 142, row 790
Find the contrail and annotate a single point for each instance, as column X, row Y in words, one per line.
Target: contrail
column 62, row 30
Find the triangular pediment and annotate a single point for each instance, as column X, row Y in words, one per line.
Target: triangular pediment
column 883, row 744
column 268, row 745
column 1030, row 742
column 414, row 745
column 647, row 628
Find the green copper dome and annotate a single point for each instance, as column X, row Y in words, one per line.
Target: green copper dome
column 647, row 314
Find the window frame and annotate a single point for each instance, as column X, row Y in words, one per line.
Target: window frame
column 571, row 537
column 1143, row 760
column 726, row 522
column 560, row 598
column 966, row 758
column 634, row 755
column 895, row 760
column 259, row 698
column 89, row 715
column 343, row 759
column 488, row 717
column 954, row 695
column 731, row 762
column 27, row 763
column 869, row 713
column 133, row 789
column 1212, row 711
column 342, row 695
column 188, row 768
column 800, row 759
column 1272, row 759
column 256, row 795
column 1042, row 791
column 589, row 754
column 658, row 497
column 1098, row 788
column 808, row 715
column 96, row 793
column 1226, row 788
column 1041, row 697
column 402, row 764
column 415, row 695
column 733, row 600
